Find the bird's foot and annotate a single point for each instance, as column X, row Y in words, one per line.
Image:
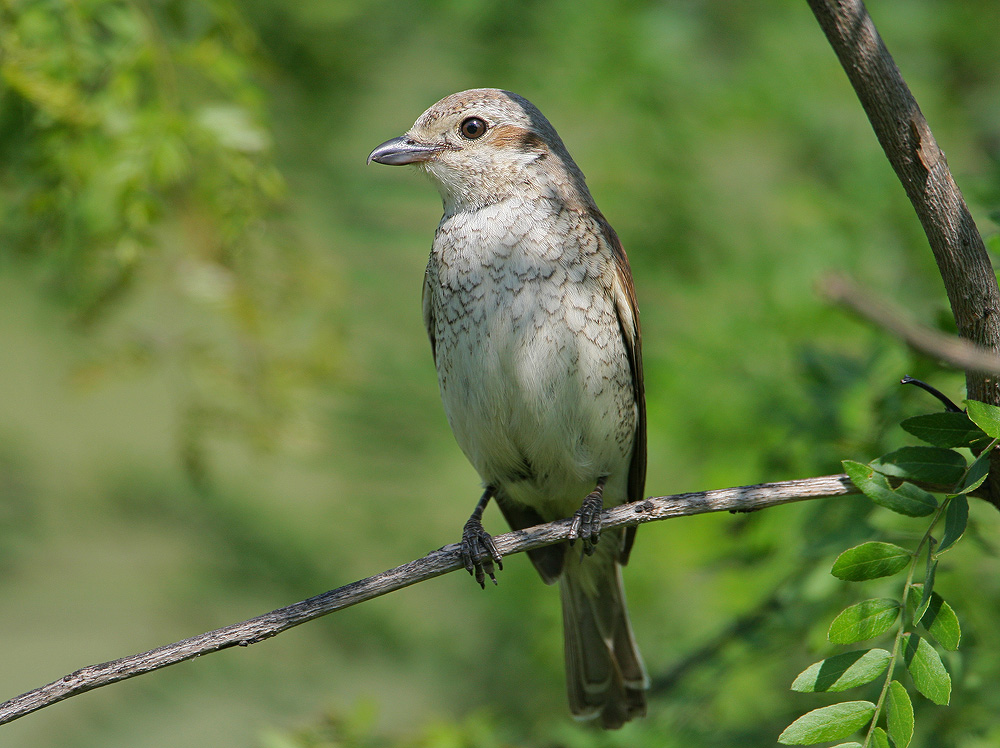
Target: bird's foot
column 479, row 554
column 587, row 520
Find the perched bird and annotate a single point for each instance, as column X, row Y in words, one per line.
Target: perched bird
column 529, row 304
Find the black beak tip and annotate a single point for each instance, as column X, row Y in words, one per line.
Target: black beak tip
column 376, row 153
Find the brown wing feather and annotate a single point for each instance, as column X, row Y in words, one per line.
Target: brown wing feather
column 628, row 322
column 428, row 311
column 548, row 560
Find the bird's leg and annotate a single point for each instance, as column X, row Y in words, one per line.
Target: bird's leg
column 478, row 552
column 587, row 520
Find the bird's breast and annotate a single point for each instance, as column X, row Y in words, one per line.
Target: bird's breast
column 531, row 364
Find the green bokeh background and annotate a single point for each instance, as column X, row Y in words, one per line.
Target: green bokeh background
column 217, row 397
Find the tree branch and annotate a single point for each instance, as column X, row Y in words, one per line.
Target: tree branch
column 959, row 353
column 921, row 167
column 434, row 564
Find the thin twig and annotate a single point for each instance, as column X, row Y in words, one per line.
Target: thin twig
column 436, row 563
column 956, row 352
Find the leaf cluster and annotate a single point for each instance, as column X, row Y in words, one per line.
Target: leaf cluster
column 920, row 614
column 137, row 163
column 114, row 115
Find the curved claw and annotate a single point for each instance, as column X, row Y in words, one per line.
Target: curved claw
column 586, row 524
column 479, row 553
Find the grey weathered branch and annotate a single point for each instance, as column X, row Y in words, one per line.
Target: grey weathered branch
column 434, row 564
column 954, row 351
column 913, row 152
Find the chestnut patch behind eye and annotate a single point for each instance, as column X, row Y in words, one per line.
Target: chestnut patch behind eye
column 512, row 136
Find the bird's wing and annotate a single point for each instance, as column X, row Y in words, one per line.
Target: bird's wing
column 628, row 323
column 425, row 300
column 547, row 560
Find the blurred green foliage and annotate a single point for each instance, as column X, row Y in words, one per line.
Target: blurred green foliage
column 218, row 398
column 138, row 165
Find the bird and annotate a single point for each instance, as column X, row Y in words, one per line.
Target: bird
column 531, row 311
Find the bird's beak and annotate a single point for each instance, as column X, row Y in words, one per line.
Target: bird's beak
column 404, row 150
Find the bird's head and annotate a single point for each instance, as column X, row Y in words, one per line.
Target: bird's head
column 485, row 145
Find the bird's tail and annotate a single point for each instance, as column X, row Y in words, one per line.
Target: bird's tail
column 605, row 677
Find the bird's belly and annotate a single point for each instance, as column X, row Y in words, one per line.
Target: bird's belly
column 537, row 388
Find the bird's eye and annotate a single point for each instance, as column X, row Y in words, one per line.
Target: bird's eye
column 473, row 127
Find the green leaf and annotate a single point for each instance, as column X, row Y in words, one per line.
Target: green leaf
column 927, row 670
column 843, row 671
column 956, row 517
column 870, row 560
column 828, row 723
column 977, row 473
column 907, row 499
column 927, row 464
column 928, row 590
column 914, row 501
column 899, row 715
column 849, row 745
column 863, row 620
column 880, row 739
column 947, row 430
column 939, row 619
column 986, row 417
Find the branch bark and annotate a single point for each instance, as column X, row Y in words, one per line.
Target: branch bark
column 959, row 353
column 434, row 564
column 921, row 167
